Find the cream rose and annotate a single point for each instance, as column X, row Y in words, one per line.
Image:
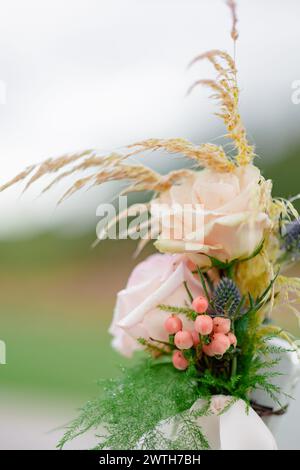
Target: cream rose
column 157, row 280
column 231, row 208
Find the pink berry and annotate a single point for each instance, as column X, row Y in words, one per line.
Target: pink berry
column 207, row 349
column 196, row 338
column 221, row 325
column 200, row 304
column 179, row 361
column 232, row 339
column 219, row 344
column 184, row 340
column 203, row 324
column 173, row 325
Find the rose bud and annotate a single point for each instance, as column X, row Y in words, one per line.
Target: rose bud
column 184, row 340
column 203, row 324
column 179, row 361
column 173, row 325
column 221, row 325
column 200, row 304
column 232, row 339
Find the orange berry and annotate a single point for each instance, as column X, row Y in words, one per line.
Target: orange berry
column 183, row 340
column 203, row 324
column 221, row 325
column 179, row 361
column 173, row 325
column 200, row 304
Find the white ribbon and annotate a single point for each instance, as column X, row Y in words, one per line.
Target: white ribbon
column 226, row 428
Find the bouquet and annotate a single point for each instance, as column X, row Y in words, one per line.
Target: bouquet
column 201, row 308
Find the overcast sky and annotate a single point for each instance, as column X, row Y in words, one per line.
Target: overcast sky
column 103, row 73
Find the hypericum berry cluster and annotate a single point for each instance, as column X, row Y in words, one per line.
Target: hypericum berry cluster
column 213, row 334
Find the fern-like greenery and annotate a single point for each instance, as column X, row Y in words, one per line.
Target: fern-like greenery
column 130, row 407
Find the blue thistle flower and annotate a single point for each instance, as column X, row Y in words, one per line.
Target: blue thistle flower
column 226, row 297
column 291, row 238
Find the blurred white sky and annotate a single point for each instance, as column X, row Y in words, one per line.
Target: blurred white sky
column 104, row 73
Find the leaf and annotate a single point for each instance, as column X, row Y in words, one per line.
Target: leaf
column 239, row 307
column 188, row 291
column 228, row 265
column 267, row 290
column 131, row 406
column 216, row 263
column 255, row 252
column 188, row 312
column 203, row 284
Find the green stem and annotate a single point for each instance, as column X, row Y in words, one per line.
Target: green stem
column 188, row 291
column 233, row 367
column 162, row 342
column 207, row 362
column 230, row 271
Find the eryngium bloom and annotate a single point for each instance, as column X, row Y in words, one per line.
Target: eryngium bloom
column 226, row 297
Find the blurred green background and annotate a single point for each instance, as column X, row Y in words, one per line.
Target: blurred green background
column 57, row 299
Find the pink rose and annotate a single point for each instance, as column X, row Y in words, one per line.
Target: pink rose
column 233, row 214
column 157, row 280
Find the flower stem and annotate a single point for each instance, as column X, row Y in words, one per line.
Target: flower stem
column 233, row 367
column 188, row 291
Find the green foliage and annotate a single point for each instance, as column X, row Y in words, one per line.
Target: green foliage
column 130, row 407
column 189, row 435
column 227, row 266
column 190, row 296
column 188, row 312
column 254, row 362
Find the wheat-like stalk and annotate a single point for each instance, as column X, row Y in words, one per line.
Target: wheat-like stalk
column 205, row 155
column 51, row 165
column 232, row 6
column 54, row 165
column 226, row 92
column 114, row 167
column 141, row 178
column 288, row 294
column 93, row 161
